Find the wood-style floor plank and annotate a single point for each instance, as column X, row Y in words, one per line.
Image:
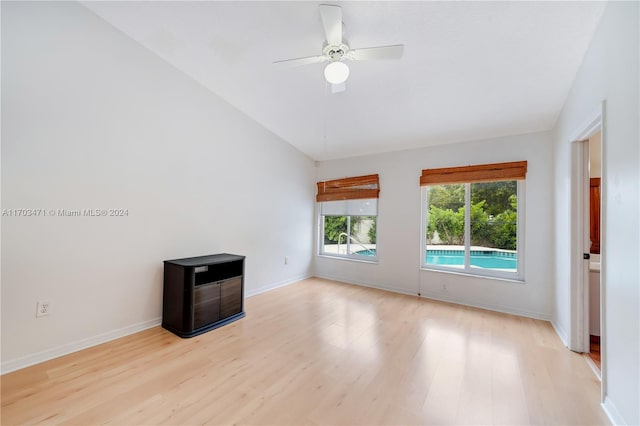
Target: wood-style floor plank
column 320, row 352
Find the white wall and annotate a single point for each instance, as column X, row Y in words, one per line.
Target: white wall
column 398, row 230
column 93, row 120
column 609, row 72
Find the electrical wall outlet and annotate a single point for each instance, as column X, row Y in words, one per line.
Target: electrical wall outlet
column 44, row 308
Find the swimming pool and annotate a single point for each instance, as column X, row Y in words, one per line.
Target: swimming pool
column 480, row 259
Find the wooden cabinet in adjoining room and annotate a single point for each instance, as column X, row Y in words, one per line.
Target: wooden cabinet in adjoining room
column 594, row 214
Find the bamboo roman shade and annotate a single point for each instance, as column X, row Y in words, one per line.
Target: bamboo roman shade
column 516, row 170
column 351, row 188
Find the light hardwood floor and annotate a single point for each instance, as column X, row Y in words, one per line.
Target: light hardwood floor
column 320, row 352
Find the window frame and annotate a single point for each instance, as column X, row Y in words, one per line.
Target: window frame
column 355, row 189
column 352, row 256
column 467, row 269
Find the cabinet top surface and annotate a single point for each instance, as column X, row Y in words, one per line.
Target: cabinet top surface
column 205, row 260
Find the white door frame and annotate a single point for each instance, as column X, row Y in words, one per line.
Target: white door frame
column 579, row 340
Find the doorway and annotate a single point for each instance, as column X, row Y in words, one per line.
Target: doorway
column 595, row 215
column 588, row 247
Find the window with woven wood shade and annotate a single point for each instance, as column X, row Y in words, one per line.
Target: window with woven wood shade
column 472, row 219
column 348, row 211
column 516, row 170
column 351, row 188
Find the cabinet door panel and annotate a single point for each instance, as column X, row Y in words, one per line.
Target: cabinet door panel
column 230, row 297
column 206, row 313
column 206, row 308
column 205, row 292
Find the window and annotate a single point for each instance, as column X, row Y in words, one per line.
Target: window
column 472, row 219
column 348, row 211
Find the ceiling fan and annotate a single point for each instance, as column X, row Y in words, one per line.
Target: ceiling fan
column 336, row 50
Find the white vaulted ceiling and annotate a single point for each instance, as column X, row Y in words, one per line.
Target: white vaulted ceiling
column 470, row 70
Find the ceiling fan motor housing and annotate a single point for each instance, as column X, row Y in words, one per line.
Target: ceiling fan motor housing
column 335, row 52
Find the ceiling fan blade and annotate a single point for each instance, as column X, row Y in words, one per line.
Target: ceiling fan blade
column 380, row 52
column 332, row 22
column 290, row 63
column 338, row 88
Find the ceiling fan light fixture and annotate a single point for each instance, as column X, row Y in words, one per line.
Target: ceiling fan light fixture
column 336, row 72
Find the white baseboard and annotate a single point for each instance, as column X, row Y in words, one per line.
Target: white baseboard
column 561, row 332
column 273, row 286
column 365, row 284
column 612, row 412
column 489, row 307
column 46, row 355
column 437, row 296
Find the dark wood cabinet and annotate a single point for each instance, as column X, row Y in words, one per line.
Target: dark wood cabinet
column 202, row 293
column 594, row 214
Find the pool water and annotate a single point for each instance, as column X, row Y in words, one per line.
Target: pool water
column 370, row 252
column 479, row 259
